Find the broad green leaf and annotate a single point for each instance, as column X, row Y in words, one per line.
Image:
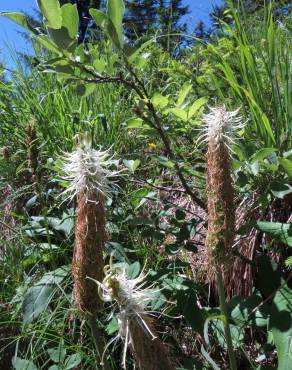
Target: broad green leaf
column 85, row 89
column 261, row 154
column 39, row 295
column 192, row 313
column 52, row 12
column 115, row 12
column 132, row 165
column 164, row 161
column 48, row 44
column 281, row 325
column 136, row 123
column 22, row 364
column 287, row 165
column 183, row 93
column 280, row 190
column 20, row 19
column 196, row 106
column 99, row 65
column 99, row 17
column 180, row 113
column 57, row 354
column 72, row 361
column 277, row 230
column 159, row 101
column 61, row 37
column 113, row 326
column 133, row 270
column 70, row 19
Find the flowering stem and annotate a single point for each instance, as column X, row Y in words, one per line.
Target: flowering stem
column 223, row 308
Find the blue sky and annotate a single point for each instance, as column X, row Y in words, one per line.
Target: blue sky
column 10, row 38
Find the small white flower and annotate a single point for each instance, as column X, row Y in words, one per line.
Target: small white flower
column 88, row 169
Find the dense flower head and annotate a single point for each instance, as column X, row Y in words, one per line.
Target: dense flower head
column 87, row 169
column 221, row 125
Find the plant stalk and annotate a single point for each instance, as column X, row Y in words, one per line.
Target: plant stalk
column 226, row 323
column 98, row 342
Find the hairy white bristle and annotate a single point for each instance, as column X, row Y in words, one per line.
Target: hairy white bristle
column 221, row 125
column 88, row 170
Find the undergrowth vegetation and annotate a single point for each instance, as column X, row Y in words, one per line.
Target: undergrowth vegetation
column 177, row 229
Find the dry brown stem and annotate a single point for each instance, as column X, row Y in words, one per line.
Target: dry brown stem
column 149, row 353
column 220, row 193
column 87, row 257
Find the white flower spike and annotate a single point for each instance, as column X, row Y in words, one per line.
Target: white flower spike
column 221, row 125
column 87, row 169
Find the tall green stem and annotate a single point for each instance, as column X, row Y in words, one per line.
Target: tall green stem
column 223, row 308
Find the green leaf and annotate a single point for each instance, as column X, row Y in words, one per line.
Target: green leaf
column 180, row 113
column 115, row 12
column 280, row 190
column 164, row 161
column 48, row 44
column 192, row 313
column 70, row 19
column 132, row 165
column 72, row 361
column 261, row 154
column 61, row 37
column 85, row 89
column 281, row 325
column 20, row 19
column 22, row 364
column 136, row 123
column 277, row 230
column 57, row 354
column 133, row 270
column 99, row 17
column 52, row 12
column 196, row 106
column 159, row 101
column 113, row 326
column 38, row 296
column 183, row 93
column 287, row 165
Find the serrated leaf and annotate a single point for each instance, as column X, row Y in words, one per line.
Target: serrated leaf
column 51, row 10
column 277, row 230
column 195, row 107
column 70, row 19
